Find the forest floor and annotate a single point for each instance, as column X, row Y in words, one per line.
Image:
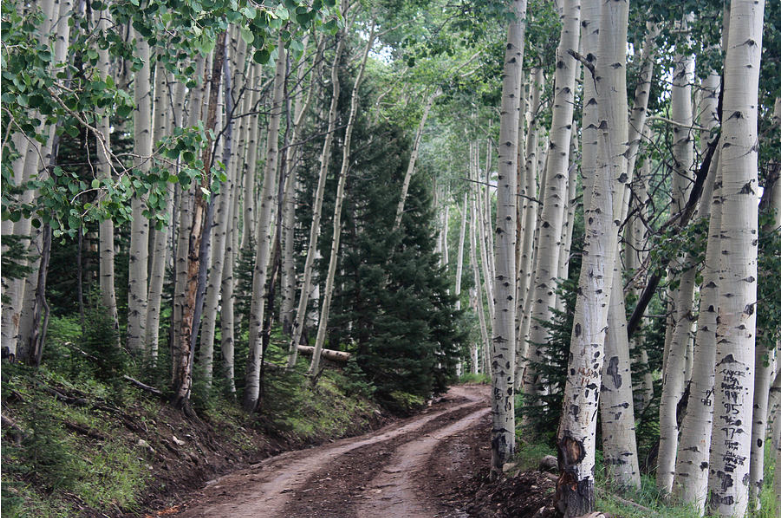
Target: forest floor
column 434, row 464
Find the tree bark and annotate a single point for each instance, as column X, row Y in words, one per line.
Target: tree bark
column 325, row 306
column 299, row 319
column 691, row 471
column 555, row 192
column 577, row 429
column 182, row 386
column 264, row 234
column 503, row 351
column 139, row 230
column 734, row 384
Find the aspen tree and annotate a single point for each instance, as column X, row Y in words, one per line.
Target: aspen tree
column 108, row 294
column 577, row 429
column 460, row 254
column 325, row 306
column 139, row 229
column 531, row 206
column 299, row 318
column 414, row 156
column 734, row 383
column 264, row 234
column 221, row 221
column 691, row 471
column 503, row 350
column 478, row 291
column 589, row 44
column 555, row 191
column 681, row 316
column 766, row 354
column 290, row 174
column 169, row 100
column 195, row 108
column 40, row 159
column 199, row 229
column 227, row 346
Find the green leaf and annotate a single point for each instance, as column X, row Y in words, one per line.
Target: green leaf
column 261, row 56
column 247, row 35
column 95, row 183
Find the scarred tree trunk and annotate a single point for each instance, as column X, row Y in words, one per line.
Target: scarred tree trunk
column 577, row 429
column 503, row 351
column 734, row 384
column 183, row 381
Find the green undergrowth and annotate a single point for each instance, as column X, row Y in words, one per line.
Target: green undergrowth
column 469, row 377
column 79, row 440
column 653, row 503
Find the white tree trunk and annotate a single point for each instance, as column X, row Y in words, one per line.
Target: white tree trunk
column 325, row 306
column 577, row 429
column 139, row 230
column 503, row 351
column 530, row 209
column 414, row 157
column 460, row 255
column 556, row 190
column 734, row 384
column 691, row 471
column 264, row 234
column 681, row 317
column 299, row 318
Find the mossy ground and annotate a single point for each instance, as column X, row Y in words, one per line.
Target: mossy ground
column 80, row 446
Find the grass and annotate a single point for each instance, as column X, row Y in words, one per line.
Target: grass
column 528, row 457
column 469, row 377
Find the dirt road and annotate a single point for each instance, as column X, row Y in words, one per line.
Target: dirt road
column 384, row 473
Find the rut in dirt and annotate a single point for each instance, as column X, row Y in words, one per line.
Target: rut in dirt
column 378, row 474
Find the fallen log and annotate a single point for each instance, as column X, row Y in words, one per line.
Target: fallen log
column 143, row 386
column 328, row 354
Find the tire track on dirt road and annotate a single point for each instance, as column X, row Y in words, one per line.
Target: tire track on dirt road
column 289, row 484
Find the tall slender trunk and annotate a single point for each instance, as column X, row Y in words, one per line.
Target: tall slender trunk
column 530, row 208
column 577, row 429
column 250, row 168
column 766, row 354
column 227, row 321
column 108, row 294
column 264, row 234
column 414, row 156
column 185, row 223
column 221, row 237
column 160, row 249
column 691, row 472
column 40, row 160
column 139, row 229
column 555, row 193
column 734, row 386
column 182, row 386
column 325, row 306
column 460, row 255
column 503, row 351
column 484, row 339
column 681, row 316
column 299, row 319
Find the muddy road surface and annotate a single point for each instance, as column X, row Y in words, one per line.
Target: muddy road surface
column 401, row 471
